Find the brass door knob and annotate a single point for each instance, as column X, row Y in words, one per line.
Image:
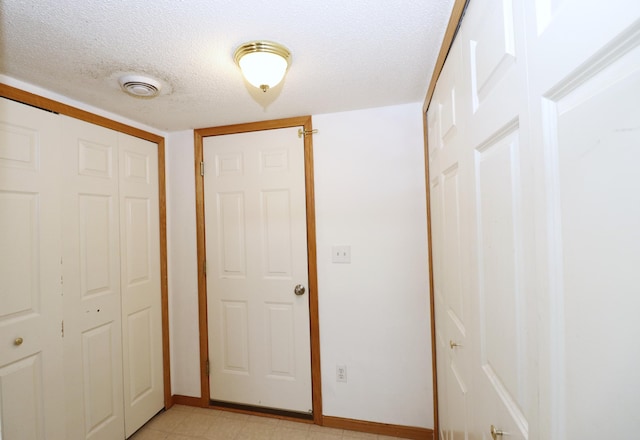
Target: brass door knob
column 18, row 341
column 453, row 345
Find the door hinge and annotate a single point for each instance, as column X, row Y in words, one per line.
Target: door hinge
column 204, row 267
column 207, row 367
column 202, row 168
column 62, row 328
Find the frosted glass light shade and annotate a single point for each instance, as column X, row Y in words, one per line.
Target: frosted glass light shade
column 263, row 63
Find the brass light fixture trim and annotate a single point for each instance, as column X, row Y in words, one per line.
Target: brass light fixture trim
column 260, row 46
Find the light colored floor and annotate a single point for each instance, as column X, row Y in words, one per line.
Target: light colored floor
column 189, row 423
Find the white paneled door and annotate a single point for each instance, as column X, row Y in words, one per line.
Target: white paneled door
column 449, row 179
column 140, row 281
column 30, row 286
column 505, row 323
column 113, row 352
column 484, row 239
column 255, row 211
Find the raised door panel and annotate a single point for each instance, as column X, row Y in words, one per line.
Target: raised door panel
column 454, row 316
column 600, row 211
column 276, row 235
column 496, row 67
column 235, row 337
column 95, row 238
column 140, row 281
column 30, row 292
column 20, row 277
column 451, row 253
column 492, row 50
column 502, row 376
column 499, row 259
column 21, row 399
column 101, row 396
column 231, row 230
column 91, row 273
column 280, row 338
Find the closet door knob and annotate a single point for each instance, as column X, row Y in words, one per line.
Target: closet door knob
column 453, row 345
column 495, row 433
column 18, row 341
column 299, row 290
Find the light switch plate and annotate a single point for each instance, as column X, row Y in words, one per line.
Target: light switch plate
column 341, row 373
column 341, row 254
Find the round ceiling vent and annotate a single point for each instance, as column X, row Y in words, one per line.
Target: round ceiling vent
column 141, row 86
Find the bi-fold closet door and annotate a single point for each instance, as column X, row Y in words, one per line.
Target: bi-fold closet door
column 533, row 137
column 111, row 273
column 85, row 240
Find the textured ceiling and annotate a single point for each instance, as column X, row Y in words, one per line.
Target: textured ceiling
column 347, row 54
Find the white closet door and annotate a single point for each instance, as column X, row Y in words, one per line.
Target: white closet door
column 449, row 180
column 91, row 262
column 503, row 244
column 140, row 281
column 480, row 183
column 30, row 291
column 585, row 87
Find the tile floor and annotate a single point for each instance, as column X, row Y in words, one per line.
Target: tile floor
column 189, row 423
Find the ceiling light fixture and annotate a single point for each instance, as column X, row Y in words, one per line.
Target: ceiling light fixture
column 263, row 63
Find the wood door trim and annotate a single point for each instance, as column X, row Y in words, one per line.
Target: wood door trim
column 432, row 302
column 179, row 399
column 454, row 22
column 199, row 134
column 256, row 126
column 203, row 325
column 164, row 282
column 385, row 429
column 64, row 109
column 67, row 110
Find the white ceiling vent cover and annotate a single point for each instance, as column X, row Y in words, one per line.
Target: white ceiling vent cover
column 141, row 86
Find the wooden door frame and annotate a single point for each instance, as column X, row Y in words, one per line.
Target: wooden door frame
column 199, row 134
column 455, row 20
column 34, row 100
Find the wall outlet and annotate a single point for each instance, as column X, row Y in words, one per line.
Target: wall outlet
column 341, row 373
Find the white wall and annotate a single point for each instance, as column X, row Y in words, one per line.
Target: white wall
column 374, row 312
column 182, row 264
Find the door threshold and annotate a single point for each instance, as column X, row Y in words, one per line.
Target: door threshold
column 261, row 411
